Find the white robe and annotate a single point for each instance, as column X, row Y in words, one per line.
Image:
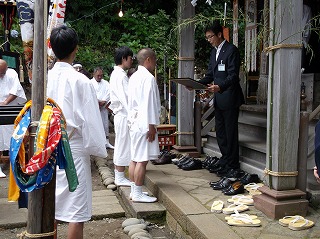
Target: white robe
column 76, row 96
column 102, row 91
column 119, row 106
column 10, row 84
column 143, row 109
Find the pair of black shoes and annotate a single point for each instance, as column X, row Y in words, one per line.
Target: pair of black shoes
column 164, row 158
column 236, row 188
column 192, row 164
column 228, row 186
column 209, row 161
column 231, row 173
column 184, row 159
column 189, row 163
column 249, row 178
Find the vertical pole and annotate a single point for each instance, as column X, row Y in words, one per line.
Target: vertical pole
column 40, row 202
column 283, row 89
column 185, row 102
column 303, row 151
column 197, row 123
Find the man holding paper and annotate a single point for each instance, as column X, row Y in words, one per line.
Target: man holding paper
column 222, row 78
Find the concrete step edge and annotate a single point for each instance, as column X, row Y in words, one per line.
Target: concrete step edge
column 183, row 207
column 148, row 211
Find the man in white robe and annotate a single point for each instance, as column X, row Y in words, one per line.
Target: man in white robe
column 76, row 96
column 11, row 93
column 143, row 118
column 101, row 87
column 119, row 106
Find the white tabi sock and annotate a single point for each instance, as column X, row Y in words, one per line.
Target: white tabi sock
column 139, row 196
column 2, row 175
column 120, row 179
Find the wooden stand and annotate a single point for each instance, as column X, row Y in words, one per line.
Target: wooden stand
column 166, row 135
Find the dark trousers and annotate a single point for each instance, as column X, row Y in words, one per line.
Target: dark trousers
column 228, row 137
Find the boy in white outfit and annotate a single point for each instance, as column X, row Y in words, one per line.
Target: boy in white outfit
column 119, row 106
column 143, row 117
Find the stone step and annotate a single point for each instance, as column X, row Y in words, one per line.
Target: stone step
column 148, row 211
column 186, row 216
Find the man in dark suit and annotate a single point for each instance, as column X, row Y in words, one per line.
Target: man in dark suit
column 222, row 78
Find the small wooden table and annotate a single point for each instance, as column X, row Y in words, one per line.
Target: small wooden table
column 166, row 135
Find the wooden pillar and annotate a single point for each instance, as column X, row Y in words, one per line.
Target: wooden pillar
column 185, row 100
column 281, row 198
column 41, row 202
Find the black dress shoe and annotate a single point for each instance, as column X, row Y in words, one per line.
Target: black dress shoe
column 206, row 161
column 216, row 182
column 193, row 165
column 212, row 162
column 226, row 182
column 216, row 167
column 164, row 159
column 223, row 172
column 183, row 160
column 234, row 174
column 236, row 188
column 249, row 178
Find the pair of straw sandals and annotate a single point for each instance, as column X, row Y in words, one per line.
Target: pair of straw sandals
column 296, row 223
column 239, row 204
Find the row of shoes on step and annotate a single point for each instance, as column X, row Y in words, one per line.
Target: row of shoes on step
column 232, row 181
column 233, row 186
column 165, row 157
column 188, row 163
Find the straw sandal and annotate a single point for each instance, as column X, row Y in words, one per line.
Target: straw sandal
column 243, row 200
column 252, row 217
column 287, row 219
column 233, row 208
column 240, row 197
column 252, row 188
column 242, row 221
column 217, row 206
column 299, row 224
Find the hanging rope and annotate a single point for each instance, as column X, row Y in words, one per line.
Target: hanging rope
column 280, row 174
column 182, row 58
column 183, row 133
column 278, row 46
column 36, row 235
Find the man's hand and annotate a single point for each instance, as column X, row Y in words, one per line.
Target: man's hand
column 2, row 103
column 151, row 134
column 315, row 173
column 213, row 88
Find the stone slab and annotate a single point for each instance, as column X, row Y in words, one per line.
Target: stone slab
column 149, row 211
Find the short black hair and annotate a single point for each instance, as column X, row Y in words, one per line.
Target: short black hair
column 63, row 41
column 122, row 52
column 215, row 27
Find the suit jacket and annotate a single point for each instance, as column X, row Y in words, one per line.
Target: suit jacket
column 230, row 94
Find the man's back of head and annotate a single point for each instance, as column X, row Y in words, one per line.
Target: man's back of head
column 64, row 41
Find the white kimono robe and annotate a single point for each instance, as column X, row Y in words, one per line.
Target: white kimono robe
column 143, row 109
column 10, row 84
column 76, row 96
column 102, row 92
column 119, row 106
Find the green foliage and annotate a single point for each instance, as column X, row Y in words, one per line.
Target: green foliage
column 104, row 31
column 152, row 32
